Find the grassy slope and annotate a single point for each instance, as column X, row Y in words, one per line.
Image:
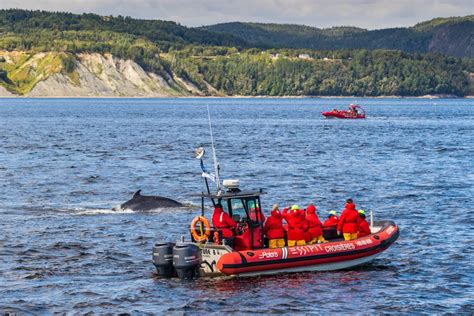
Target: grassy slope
column 25, row 69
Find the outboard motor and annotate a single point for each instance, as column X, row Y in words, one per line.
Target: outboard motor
column 163, row 259
column 186, row 260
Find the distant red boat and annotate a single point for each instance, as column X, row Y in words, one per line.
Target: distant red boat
column 354, row 112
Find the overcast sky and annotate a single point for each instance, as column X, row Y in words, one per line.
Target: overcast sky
column 371, row 14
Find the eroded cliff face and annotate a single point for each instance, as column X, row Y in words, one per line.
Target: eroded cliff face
column 5, row 93
column 44, row 75
column 452, row 40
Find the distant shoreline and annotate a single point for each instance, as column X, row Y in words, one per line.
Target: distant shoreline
column 242, row 97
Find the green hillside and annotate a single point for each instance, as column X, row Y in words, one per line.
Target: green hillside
column 344, row 72
column 165, row 34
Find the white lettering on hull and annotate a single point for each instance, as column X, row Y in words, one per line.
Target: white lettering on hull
column 340, row 247
column 390, row 230
column 303, row 250
column 268, row 254
column 364, row 242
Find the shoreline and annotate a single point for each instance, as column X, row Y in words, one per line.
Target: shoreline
column 241, row 97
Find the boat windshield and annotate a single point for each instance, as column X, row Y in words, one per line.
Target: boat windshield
column 254, row 210
column 238, row 210
column 242, row 209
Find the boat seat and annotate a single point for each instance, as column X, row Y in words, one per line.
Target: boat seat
column 330, row 233
column 244, row 241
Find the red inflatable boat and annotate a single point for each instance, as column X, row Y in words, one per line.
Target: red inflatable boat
column 354, row 112
column 246, row 253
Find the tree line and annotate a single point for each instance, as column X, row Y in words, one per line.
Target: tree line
column 346, row 73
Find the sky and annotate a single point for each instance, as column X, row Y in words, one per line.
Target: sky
column 370, row 14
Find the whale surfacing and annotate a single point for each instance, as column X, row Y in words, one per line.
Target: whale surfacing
column 146, row 203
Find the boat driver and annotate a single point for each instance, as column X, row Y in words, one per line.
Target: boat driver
column 224, row 223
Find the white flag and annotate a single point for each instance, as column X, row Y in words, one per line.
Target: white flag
column 210, row 176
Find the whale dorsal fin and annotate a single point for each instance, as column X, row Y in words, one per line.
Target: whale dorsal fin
column 137, row 193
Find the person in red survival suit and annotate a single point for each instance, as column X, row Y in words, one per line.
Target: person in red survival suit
column 223, row 222
column 305, row 226
column 315, row 226
column 348, row 221
column 332, row 220
column 364, row 228
column 330, row 225
column 274, row 229
column 295, row 229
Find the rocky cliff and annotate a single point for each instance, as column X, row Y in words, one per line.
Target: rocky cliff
column 5, row 93
column 454, row 40
column 56, row 74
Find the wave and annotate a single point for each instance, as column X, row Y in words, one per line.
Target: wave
column 99, row 211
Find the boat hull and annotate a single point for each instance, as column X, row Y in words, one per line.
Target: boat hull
column 342, row 115
column 320, row 257
column 317, row 267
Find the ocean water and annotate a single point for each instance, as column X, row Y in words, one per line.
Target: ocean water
column 64, row 163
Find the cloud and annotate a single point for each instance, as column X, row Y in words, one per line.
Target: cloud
column 320, row 13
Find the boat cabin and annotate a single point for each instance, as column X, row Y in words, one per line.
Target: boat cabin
column 245, row 209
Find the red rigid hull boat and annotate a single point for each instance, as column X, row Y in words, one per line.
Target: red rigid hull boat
column 354, row 112
column 208, row 255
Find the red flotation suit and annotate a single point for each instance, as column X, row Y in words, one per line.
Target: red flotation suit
column 332, row 221
column 348, row 220
column 273, row 226
column 364, row 228
column 305, row 226
column 222, row 221
column 315, row 229
column 295, row 224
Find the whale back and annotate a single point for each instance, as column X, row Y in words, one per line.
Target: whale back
column 141, row 202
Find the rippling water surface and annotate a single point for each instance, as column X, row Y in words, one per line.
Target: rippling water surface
column 65, row 163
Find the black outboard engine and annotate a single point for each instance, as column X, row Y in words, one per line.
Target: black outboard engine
column 163, row 259
column 186, row 260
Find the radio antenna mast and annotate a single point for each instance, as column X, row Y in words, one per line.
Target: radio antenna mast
column 214, row 157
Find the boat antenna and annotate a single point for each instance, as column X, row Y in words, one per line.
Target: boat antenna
column 214, row 157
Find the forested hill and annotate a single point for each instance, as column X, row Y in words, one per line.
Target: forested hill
column 166, row 34
column 451, row 36
column 45, row 53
